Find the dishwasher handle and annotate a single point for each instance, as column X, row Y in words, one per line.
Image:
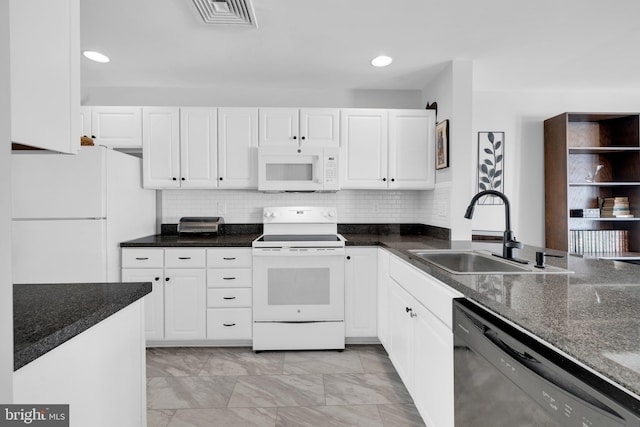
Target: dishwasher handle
column 539, row 368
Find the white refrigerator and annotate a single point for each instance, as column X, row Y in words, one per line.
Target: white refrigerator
column 70, row 213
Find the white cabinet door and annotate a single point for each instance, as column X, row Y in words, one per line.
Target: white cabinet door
column 153, row 302
column 44, row 61
column 198, row 147
column 363, row 151
column 401, row 333
column 278, row 127
column 411, row 149
column 237, row 148
column 117, row 127
column 185, row 304
column 161, row 147
column 384, row 282
column 433, row 368
column 319, row 127
column 361, row 292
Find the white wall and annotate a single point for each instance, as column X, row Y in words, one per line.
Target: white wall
column 240, row 207
column 521, row 115
column 452, row 90
column 6, row 288
column 251, row 97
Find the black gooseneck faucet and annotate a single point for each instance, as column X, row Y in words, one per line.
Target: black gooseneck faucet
column 509, row 242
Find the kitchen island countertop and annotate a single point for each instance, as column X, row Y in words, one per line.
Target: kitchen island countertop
column 592, row 315
column 45, row 316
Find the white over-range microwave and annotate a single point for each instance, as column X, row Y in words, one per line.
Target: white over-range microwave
column 298, row 169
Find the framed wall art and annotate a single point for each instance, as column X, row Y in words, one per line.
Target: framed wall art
column 490, row 165
column 442, row 144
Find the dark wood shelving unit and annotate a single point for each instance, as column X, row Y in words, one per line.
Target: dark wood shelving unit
column 575, row 143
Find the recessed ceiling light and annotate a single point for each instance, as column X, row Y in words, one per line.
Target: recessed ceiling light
column 381, row 61
column 96, row 56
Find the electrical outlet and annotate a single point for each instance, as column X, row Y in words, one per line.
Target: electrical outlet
column 442, row 209
column 222, row 208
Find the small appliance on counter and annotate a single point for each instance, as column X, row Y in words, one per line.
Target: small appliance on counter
column 199, row 225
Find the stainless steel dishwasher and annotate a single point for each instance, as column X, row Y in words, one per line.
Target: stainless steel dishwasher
column 505, row 378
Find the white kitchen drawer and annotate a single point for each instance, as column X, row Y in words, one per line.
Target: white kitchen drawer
column 433, row 294
column 184, row 258
column 229, row 324
column 228, row 258
column 229, row 278
column 228, row 297
column 142, row 258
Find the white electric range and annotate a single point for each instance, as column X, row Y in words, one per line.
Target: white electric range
column 298, row 280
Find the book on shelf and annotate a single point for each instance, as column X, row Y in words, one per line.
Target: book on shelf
column 598, row 241
column 615, row 207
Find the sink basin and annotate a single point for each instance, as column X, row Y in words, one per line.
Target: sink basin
column 479, row 262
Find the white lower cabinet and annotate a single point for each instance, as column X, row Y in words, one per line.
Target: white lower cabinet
column 229, row 294
column 420, row 339
column 361, row 292
column 384, row 281
column 176, row 308
column 185, row 304
column 153, row 302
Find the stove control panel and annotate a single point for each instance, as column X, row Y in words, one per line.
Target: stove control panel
column 300, row 215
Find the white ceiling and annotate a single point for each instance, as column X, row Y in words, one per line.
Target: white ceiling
column 514, row 44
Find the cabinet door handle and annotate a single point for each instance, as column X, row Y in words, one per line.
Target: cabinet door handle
column 229, row 259
column 166, row 279
column 184, row 257
column 174, row 179
column 156, row 279
column 295, row 137
column 228, row 297
column 229, row 324
column 221, row 178
column 228, row 278
column 410, row 311
column 384, row 179
column 142, row 258
column 183, row 178
column 393, row 180
column 303, row 138
column 348, row 257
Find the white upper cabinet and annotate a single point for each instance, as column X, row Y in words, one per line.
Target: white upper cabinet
column 45, row 74
column 411, row 149
column 117, row 127
column 198, row 147
column 238, row 148
column 286, row 127
column 161, row 147
column 363, row 152
column 387, row 149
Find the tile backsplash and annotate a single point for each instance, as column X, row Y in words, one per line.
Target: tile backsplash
column 241, row 206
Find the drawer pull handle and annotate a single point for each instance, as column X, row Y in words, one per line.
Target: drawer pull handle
column 142, row 258
column 228, row 297
column 228, row 278
column 229, row 258
column 184, row 257
column 229, row 324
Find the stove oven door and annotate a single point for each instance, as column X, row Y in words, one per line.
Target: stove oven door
column 298, row 284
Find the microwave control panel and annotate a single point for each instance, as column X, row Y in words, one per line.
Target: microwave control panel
column 331, row 169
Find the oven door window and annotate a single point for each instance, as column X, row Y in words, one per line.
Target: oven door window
column 299, row 286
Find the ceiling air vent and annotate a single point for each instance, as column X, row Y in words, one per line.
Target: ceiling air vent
column 229, row 12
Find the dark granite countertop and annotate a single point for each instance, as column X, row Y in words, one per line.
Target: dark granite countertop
column 592, row 315
column 174, row 240
column 47, row 315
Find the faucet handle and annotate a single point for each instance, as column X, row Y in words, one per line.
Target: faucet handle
column 513, row 244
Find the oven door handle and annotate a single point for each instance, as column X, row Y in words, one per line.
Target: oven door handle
column 299, row 252
column 534, row 365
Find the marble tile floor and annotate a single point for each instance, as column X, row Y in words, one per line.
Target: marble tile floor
column 203, row 386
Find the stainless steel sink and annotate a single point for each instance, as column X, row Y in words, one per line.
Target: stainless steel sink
column 480, row 262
